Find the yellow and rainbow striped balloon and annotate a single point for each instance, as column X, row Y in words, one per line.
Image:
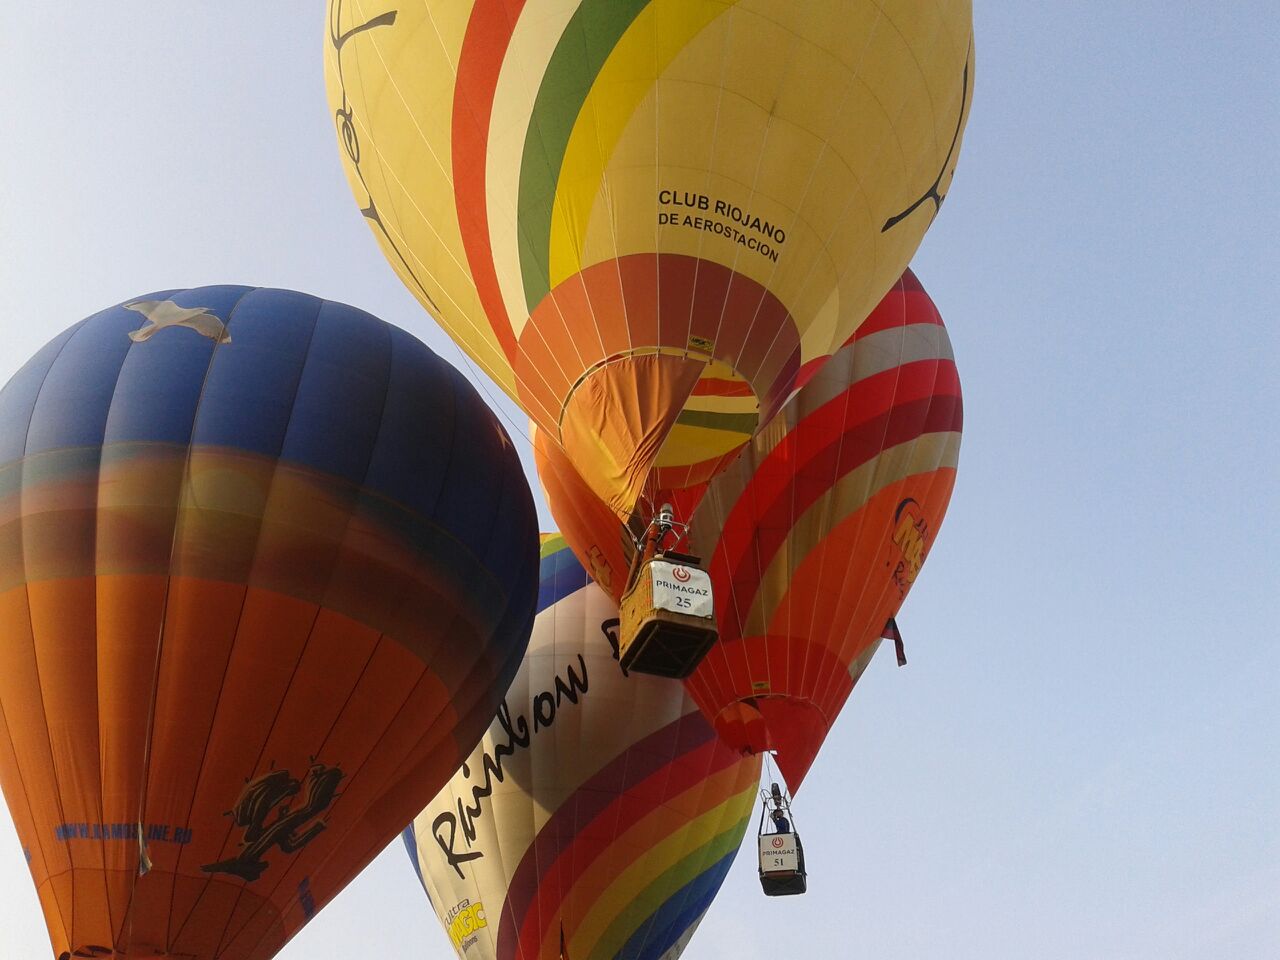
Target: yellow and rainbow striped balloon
column 643, row 217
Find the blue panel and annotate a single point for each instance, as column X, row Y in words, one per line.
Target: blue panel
column 411, row 844
column 508, row 516
column 410, row 456
column 71, row 410
column 287, row 375
column 476, row 468
column 160, row 381
column 560, row 574
column 18, row 398
column 249, row 392
column 338, row 407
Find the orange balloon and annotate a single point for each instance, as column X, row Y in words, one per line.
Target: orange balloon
column 818, row 532
column 267, row 566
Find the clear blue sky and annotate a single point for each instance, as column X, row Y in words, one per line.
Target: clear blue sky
column 1081, row 758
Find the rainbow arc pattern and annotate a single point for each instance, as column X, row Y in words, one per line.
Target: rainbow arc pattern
column 616, row 824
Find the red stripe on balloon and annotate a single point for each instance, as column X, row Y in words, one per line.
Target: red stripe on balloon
column 682, row 774
column 479, row 64
column 905, row 303
column 824, row 432
column 762, row 519
column 579, row 817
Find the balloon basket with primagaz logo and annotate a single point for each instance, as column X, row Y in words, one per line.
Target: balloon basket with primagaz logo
column 667, row 617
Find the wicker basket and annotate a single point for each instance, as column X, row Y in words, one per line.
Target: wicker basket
column 661, row 642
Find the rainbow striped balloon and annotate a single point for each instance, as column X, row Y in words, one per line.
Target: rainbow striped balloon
column 600, row 813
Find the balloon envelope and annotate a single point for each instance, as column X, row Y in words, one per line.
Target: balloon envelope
column 643, row 217
column 599, row 815
column 814, row 536
column 267, row 565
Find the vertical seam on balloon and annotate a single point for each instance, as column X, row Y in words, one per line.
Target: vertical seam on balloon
column 470, row 171
column 351, row 145
column 797, row 218
column 97, row 678
column 900, row 308
column 550, row 417
column 408, row 252
column 428, row 670
column 751, row 193
column 822, row 691
column 302, row 652
column 737, row 651
column 565, row 213
column 504, row 495
column 854, row 79
column 268, row 896
column 244, row 598
column 284, row 439
column 39, row 837
column 810, row 687
column 819, row 455
column 336, row 844
column 715, row 132
column 35, row 659
column 717, row 685
column 657, row 165
column 561, row 67
column 164, row 610
column 430, row 738
column 934, row 476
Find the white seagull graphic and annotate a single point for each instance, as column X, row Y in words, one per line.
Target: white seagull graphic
column 166, row 313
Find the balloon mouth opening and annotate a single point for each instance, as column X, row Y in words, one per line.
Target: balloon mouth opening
column 712, row 372
column 743, row 728
column 654, row 417
column 790, row 727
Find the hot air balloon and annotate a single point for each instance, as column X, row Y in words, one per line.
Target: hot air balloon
column 268, row 567
column 643, row 218
column 599, row 815
column 815, row 534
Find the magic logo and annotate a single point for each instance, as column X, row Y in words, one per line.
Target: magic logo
column 911, row 535
column 465, row 922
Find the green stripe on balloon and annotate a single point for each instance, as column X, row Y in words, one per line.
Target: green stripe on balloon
column 675, row 878
column 587, row 41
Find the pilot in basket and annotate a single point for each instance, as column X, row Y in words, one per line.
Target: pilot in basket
column 781, row 853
